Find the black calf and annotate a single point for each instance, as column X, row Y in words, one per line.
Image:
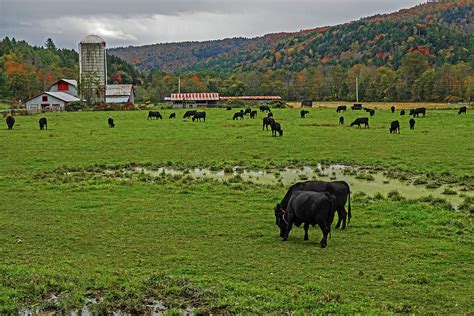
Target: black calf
column 43, row 123
column 111, row 122
column 394, row 127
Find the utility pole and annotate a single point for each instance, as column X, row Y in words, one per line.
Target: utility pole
column 179, row 85
column 357, row 89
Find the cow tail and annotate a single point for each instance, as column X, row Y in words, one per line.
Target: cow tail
column 349, row 213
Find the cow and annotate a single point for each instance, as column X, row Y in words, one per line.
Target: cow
column 267, row 121
column 253, row 114
column 270, row 114
column 264, row 108
column 248, row 111
column 360, row 121
column 412, row 123
column 308, row 208
column 154, row 114
column 392, row 109
column 394, row 127
column 340, row 189
column 43, row 123
column 341, row 108
column 189, row 113
column 238, row 115
column 341, row 120
column 172, row 115
column 228, row 108
column 10, row 120
column 303, row 113
column 402, row 112
column 111, row 123
column 372, row 112
column 199, row 115
column 276, row 128
column 417, row 112
column 307, row 103
column 462, row 110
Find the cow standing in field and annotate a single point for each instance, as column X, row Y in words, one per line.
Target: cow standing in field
column 308, row 208
column 10, row 120
column 402, row 112
column 341, row 120
column 111, row 123
column 238, row 115
column 189, row 113
column 417, row 112
column 228, row 108
column 360, row 121
column 267, row 121
column 341, row 108
column 43, row 123
column 264, row 108
column 199, row 115
column 154, row 114
column 276, row 128
column 172, row 116
column 394, row 127
column 270, row 114
column 412, row 123
column 462, row 110
column 303, row 113
column 392, row 109
column 248, row 111
column 253, row 114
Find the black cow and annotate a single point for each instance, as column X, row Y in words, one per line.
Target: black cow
column 228, row 108
column 267, row 121
column 341, row 108
column 264, row 108
column 417, row 112
column 172, row 115
column 462, row 110
column 199, row 115
column 310, row 208
column 340, row 189
column 341, row 120
column 402, row 112
column 189, row 113
column 372, row 112
column 10, row 120
column 270, row 114
column 248, row 111
column 111, row 122
column 307, row 103
column 303, row 113
column 360, row 121
column 154, row 114
column 394, row 127
column 43, row 123
column 276, row 128
column 412, row 123
column 392, row 109
column 253, row 114
column 238, row 115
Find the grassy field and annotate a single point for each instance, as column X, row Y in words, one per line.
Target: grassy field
column 214, row 246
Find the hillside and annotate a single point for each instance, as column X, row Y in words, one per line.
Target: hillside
column 440, row 30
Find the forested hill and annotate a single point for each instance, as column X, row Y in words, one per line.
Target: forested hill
column 442, row 31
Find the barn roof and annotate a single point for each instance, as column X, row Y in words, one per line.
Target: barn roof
column 194, row 97
column 254, row 97
column 70, row 81
column 92, row 39
column 66, row 97
column 119, row 90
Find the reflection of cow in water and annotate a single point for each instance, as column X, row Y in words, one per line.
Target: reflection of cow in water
column 43, row 123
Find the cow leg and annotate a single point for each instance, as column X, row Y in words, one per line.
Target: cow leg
column 306, row 227
column 325, row 230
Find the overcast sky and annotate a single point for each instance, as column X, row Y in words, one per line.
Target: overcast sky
column 138, row 22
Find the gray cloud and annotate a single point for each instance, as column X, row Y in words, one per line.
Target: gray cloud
column 138, row 22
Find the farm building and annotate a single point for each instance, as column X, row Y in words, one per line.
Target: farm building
column 192, row 100
column 93, row 68
column 120, row 93
column 49, row 101
column 65, row 85
column 260, row 98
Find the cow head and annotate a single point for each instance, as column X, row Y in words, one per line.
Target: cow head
column 280, row 219
column 281, row 132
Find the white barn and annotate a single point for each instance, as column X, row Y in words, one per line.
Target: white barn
column 120, row 93
column 49, row 101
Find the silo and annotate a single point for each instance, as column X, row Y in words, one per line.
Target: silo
column 92, row 69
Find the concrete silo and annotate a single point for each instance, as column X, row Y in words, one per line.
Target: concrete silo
column 92, row 69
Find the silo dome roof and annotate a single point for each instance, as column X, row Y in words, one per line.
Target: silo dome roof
column 92, row 39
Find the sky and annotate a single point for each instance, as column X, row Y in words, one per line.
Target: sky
column 140, row 22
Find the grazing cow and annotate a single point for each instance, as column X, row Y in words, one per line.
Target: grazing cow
column 310, row 208
column 392, row 109
column 10, row 120
column 43, row 123
column 253, row 114
column 341, row 108
column 341, row 120
column 189, row 113
column 412, row 123
column 372, row 112
column 238, row 115
column 172, row 115
column 357, row 106
column 276, row 128
column 303, row 113
column 248, row 111
column 402, row 112
column 417, row 112
column 264, row 108
column 267, row 121
column 394, row 127
column 199, row 115
column 367, row 110
column 340, row 189
column 228, row 108
column 270, row 114
column 154, row 114
column 462, row 110
column 361, row 120
column 111, row 122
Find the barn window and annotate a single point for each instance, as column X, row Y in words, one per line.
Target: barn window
column 62, row 86
column 45, row 98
